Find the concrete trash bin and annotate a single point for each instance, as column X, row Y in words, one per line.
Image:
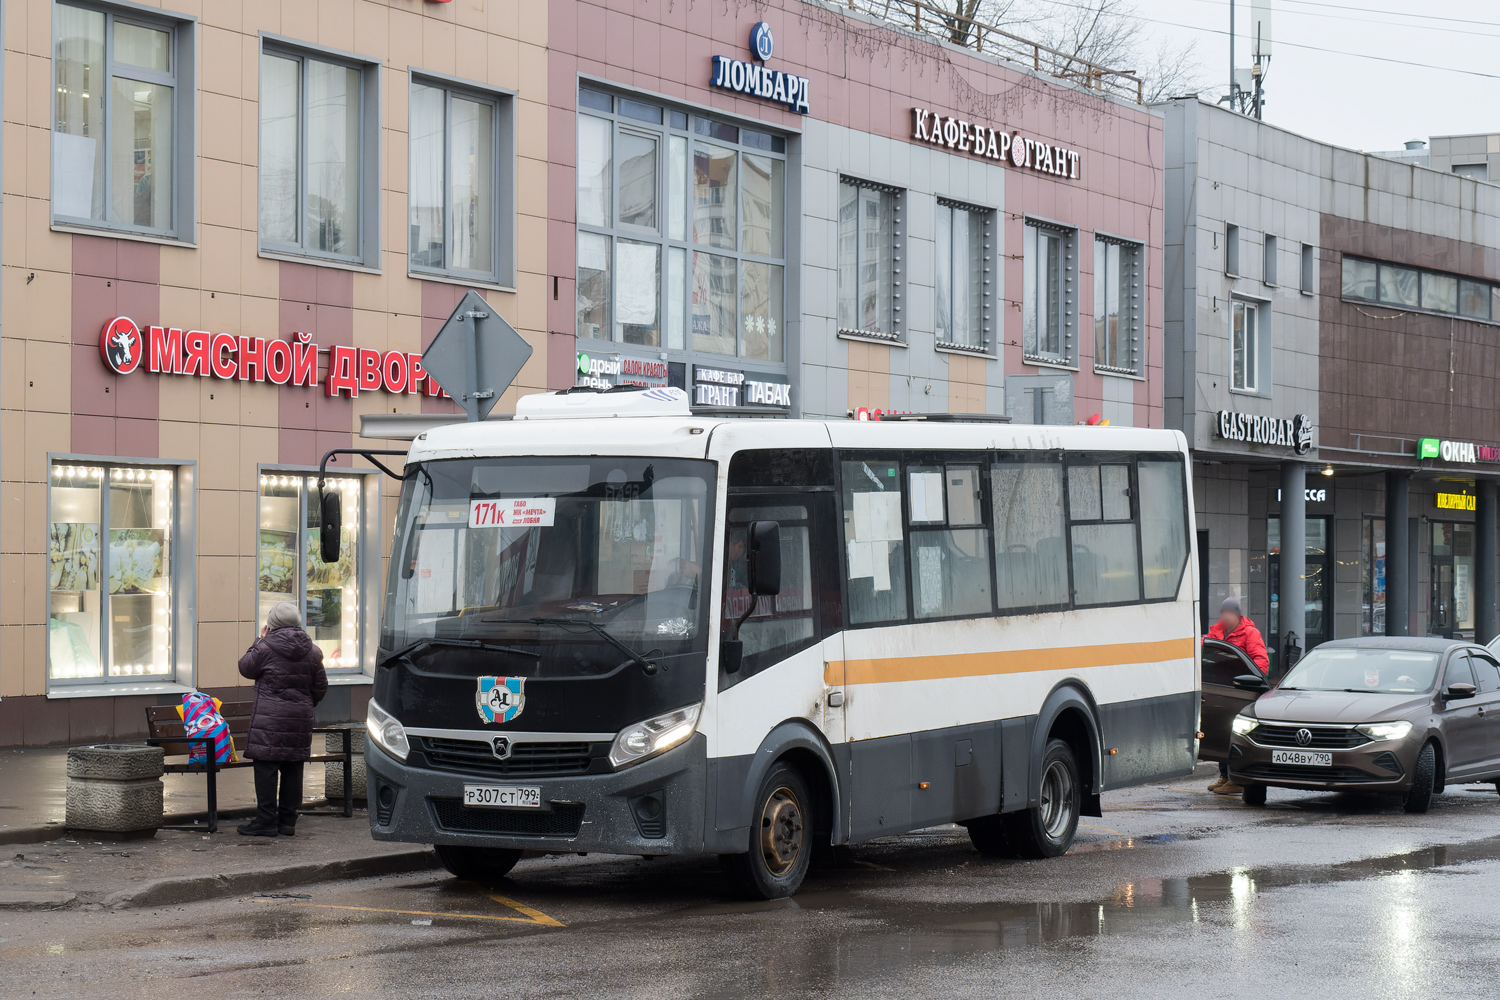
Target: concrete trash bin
column 333, row 774
column 115, row 789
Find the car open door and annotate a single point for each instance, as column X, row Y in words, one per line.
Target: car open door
column 1221, row 663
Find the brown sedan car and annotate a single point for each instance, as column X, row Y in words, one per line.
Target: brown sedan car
column 1381, row 714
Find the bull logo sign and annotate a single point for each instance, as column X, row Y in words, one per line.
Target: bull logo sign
column 120, row 343
column 500, row 699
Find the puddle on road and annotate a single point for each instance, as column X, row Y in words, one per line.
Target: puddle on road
column 1133, row 906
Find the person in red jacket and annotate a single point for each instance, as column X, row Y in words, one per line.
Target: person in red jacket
column 1237, row 630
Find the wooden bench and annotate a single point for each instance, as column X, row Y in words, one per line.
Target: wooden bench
column 167, row 731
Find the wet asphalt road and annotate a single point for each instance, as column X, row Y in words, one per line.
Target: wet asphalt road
column 1174, row 893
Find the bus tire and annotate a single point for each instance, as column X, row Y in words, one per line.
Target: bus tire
column 987, row 834
column 780, row 843
column 1046, row 831
column 477, row 864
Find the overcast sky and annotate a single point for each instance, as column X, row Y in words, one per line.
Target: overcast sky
column 1361, row 103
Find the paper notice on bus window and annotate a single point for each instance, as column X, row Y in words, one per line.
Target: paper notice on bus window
column 529, row 512
column 861, row 561
column 926, row 496
column 877, row 517
column 880, row 554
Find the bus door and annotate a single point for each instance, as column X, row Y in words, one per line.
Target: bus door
column 795, row 635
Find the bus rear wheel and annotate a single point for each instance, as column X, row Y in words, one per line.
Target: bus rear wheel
column 780, row 841
column 477, row 864
column 1046, row 831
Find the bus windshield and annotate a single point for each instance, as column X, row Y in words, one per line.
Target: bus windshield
column 483, row 545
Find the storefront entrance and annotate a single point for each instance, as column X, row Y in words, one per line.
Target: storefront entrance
column 1450, row 610
column 1318, row 625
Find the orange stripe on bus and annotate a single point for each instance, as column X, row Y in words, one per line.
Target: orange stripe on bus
column 1015, row 661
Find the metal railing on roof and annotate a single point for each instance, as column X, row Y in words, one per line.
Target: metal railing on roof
column 967, row 32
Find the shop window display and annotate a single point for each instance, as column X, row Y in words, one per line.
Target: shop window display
column 289, row 567
column 109, row 553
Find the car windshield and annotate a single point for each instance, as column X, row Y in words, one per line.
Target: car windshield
column 1378, row 671
column 483, row 545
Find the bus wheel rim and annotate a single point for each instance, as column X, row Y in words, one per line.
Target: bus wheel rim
column 1057, row 795
column 781, row 830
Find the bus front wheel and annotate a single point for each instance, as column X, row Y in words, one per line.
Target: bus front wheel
column 780, row 844
column 477, row 864
column 1046, row 831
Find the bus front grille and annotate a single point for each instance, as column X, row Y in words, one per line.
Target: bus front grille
column 525, row 760
column 562, row 820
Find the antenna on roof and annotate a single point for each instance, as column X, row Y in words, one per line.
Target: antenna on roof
column 1246, row 86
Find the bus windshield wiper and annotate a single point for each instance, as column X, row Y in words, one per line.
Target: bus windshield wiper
column 405, row 652
column 566, row 624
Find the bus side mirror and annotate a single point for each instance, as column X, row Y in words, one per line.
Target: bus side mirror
column 731, row 655
column 763, row 558
column 330, row 534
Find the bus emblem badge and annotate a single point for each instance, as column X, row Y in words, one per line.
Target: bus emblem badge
column 500, row 699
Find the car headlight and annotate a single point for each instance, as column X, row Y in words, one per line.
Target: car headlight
column 387, row 732
column 1243, row 725
column 647, row 739
column 1385, row 730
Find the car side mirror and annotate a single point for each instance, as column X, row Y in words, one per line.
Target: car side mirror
column 1454, row 692
column 330, row 533
column 1251, row 682
column 763, row 555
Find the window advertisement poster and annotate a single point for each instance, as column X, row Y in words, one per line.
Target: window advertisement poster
column 73, row 556
column 137, row 561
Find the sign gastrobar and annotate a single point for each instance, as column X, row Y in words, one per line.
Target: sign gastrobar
column 744, row 77
column 166, row 350
column 1295, row 433
column 999, row 145
column 1457, row 452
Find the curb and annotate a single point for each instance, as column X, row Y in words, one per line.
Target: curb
column 173, row 891
column 52, row 831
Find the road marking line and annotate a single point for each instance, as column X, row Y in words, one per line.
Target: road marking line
column 537, row 916
column 1103, row 829
column 426, row 913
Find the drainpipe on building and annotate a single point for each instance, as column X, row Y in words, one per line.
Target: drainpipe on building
column 1397, row 553
column 1293, row 582
column 1486, row 599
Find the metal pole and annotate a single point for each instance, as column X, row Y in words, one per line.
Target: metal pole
column 1234, row 104
column 1397, row 553
column 1486, row 598
column 1293, row 583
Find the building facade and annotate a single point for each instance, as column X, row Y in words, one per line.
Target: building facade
column 230, row 230
column 1330, row 321
column 788, row 208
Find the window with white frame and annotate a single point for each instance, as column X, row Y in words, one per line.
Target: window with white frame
column 1246, row 331
column 962, row 273
column 319, row 155
column 460, row 213
column 122, row 126
column 111, row 534
column 290, row 566
column 1117, row 306
column 1047, row 294
column 681, row 230
column 869, row 233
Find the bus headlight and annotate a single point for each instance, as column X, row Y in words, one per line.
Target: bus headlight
column 647, row 739
column 1386, row 730
column 1243, row 725
column 389, row 734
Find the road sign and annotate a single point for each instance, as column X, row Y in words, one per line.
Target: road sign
column 476, row 355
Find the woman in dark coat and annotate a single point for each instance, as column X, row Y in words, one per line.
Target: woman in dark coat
column 289, row 682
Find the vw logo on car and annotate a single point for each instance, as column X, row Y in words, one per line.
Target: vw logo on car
column 1304, row 737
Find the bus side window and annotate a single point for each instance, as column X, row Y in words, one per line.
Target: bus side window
column 1164, row 545
column 783, row 624
column 1031, row 558
column 1106, row 562
column 950, row 569
column 874, row 546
